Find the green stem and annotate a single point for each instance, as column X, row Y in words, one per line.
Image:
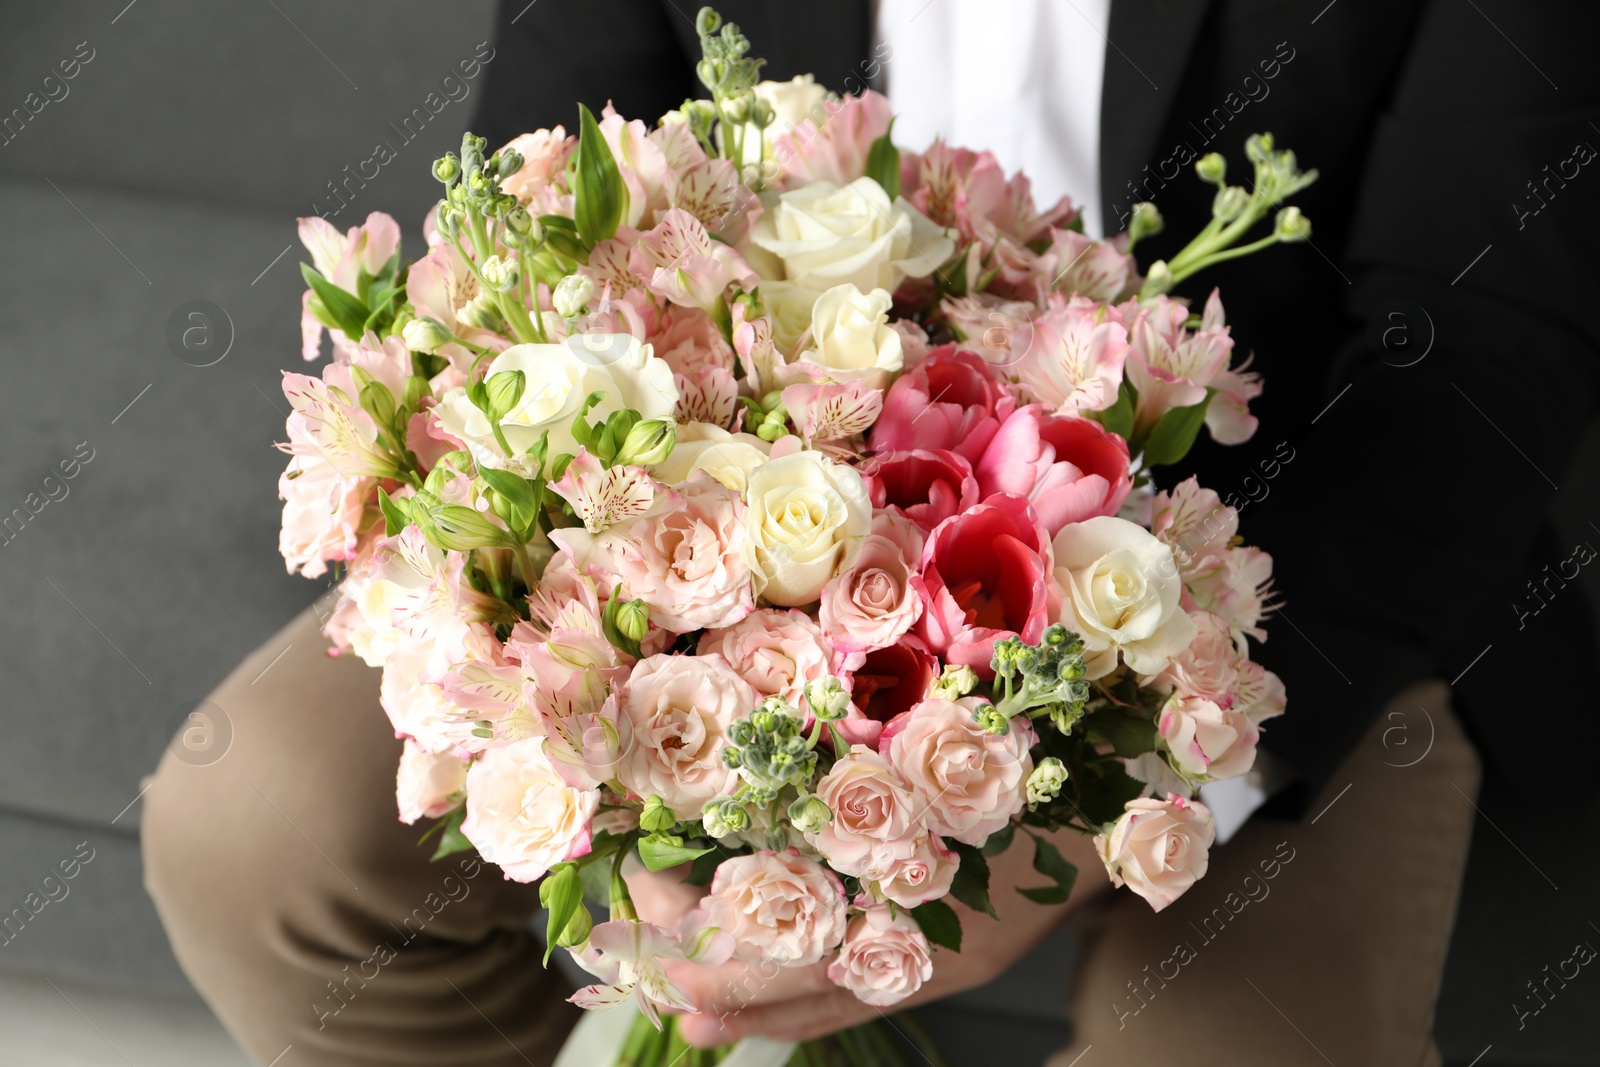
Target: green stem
column 921, row 1038
column 1219, row 257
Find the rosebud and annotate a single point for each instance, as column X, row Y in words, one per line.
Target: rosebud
column 633, row 620
column 1212, row 168
column 649, row 441
column 1292, row 225
column 425, row 335
column 1045, row 783
column 656, row 817
column 500, row 274
column 572, row 294
column 809, row 815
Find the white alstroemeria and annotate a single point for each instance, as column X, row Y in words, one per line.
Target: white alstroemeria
column 627, row 955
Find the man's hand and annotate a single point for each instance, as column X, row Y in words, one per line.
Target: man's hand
column 738, row 998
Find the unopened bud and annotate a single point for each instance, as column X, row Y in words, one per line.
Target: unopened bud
column 992, row 719
column 1292, row 225
column 827, row 698
column 809, row 815
column 724, row 817
column 447, row 168
column 649, row 441
column 1212, row 168
column 500, row 273
column 425, row 335
column 1229, row 203
column 1147, row 221
column 955, row 681
column 572, row 295
column 510, row 162
column 1045, row 783
column 633, row 620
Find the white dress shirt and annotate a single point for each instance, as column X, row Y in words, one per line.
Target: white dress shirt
column 1020, row 78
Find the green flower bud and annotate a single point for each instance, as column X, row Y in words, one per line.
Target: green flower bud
column 1045, row 783
column 1212, row 168
column 447, row 219
column 827, row 698
column 1292, row 225
column 1158, row 279
column 777, row 837
column 1146, row 222
column 425, row 335
column 724, row 817
column 656, row 818
column 706, row 21
column 500, row 274
column 510, row 162
column 955, row 681
column 649, row 441
column 447, row 168
column 572, row 295
column 480, row 312
column 992, row 719
column 809, row 815
column 457, row 528
column 737, row 108
column 633, row 619
column 764, row 721
column 1229, row 203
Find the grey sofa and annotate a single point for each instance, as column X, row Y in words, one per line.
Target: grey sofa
column 138, row 520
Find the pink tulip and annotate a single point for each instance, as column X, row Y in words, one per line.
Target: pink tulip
column 1070, row 468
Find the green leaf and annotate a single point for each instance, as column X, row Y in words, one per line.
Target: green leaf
column 971, row 884
column 1130, row 733
column 883, row 163
column 561, row 894
column 1172, row 437
column 377, row 401
column 599, row 195
column 1000, row 840
column 1118, row 418
column 396, row 513
column 379, row 302
column 940, row 924
column 349, row 313
column 1104, row 789
column 1047, row 860
column 660, row 851
column 561, row 237
column 451, row 839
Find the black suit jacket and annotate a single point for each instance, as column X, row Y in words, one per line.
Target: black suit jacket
column 1407, row 507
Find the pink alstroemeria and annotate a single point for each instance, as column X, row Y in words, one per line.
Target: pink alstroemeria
column 341, row 257
column 1072, row 355
column 629, row 957
column 1071, row 468
column 684, row 265
column 602, row 496
column 1172, row 366
column 835, row 149
column 831, row 412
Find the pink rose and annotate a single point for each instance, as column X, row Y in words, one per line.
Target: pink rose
column 684, row 559
column 677, row 711
column 521, row 815
column 874, row 820
column 888, row 683
column 1205, row 740
column 985, row 574
column 1070, row 468
column 951, row 400
column 1158, row 848
column 926, row 486
column 777, row 651
column 428, row 785
column 971, row 782
column 1209, row 667
column 778, row 906
column 884, row 960
column 924, row 875
column 874, row 602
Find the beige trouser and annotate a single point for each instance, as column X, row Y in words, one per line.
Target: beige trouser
column 319, row 932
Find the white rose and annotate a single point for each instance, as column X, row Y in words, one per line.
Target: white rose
column 1122, row 590
column 559, row 378
column 851, row 336
column 703, row 446
column 825, row 235
column 806, row 518
column 790, row 306
column 521, row 815
column 793, row 101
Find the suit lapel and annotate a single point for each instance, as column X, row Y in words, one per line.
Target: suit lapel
column 1148, row 49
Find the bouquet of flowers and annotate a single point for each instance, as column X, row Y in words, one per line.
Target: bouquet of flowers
column 746, row 493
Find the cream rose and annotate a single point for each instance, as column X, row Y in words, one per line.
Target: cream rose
column 852, row 338
column 924, row 875
column 805, row 519
column 790, row 308
column 521, row 815
column 777, row 652
column 428, row 786
column 1158, row 848
column 969, row 781
column 703, row 446
column 884, row 960
column 792, row 101
column 874, row 822
column 674, row 713
column 1122, row 590
column 778, row 906
column 822, row 235
column 559, row 378
column 1206, row 741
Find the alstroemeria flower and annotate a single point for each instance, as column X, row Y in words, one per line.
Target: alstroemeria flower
column 684, row 265
column 628, row 956
column 1072, row 355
